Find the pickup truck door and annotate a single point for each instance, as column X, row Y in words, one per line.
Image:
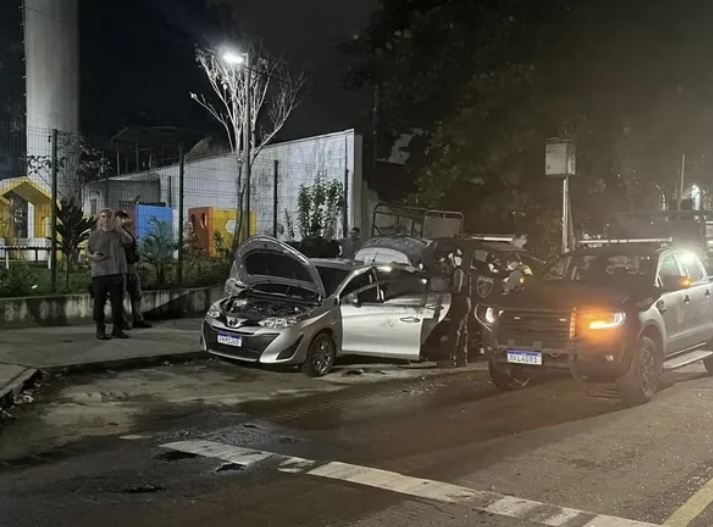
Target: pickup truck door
column 671, row 304
column 698, row 318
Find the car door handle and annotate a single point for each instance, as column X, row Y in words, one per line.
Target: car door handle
column 686, row 299
column 708, row 292
column 410, row 320
column 661, row 306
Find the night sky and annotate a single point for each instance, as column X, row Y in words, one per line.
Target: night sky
column 138, row 67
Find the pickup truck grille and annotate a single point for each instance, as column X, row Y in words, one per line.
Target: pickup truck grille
column 534, row 329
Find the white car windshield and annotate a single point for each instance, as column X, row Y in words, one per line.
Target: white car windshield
column 332, row 277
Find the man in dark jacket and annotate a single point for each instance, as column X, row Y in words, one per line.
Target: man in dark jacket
column 458, row 338
column 332, row 246
column 133, row 280
column 314, row 246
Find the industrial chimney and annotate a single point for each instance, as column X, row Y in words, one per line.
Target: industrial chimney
column 51, row 32
column 51, row 38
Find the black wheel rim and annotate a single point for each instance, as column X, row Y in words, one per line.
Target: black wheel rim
column 322, row 355
column 648, row 368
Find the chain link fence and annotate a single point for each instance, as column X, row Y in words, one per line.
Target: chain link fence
column 187, row 212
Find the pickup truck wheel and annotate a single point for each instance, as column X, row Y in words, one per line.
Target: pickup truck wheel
column 507, row 378
column 641, row 382
column 320, row 356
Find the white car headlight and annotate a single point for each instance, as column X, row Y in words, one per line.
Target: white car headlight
column 278, row 322
column 214, row 311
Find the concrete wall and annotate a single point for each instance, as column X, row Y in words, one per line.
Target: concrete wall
column 60, row 310
column 212, row 182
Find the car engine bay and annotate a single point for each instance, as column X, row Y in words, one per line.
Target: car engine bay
column 256, row 309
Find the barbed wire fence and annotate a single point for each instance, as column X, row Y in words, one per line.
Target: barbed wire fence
column 187, row 211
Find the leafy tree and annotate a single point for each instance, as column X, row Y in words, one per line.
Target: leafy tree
column 489, row 82
column 73, row 229
column 320, row 204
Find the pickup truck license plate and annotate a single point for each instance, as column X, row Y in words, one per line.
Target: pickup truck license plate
column 230, row 340
column 533, row 358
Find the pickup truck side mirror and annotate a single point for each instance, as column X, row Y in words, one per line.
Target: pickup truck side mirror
column 675, row 283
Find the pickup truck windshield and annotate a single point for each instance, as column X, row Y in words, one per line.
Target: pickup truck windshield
column 603, row 268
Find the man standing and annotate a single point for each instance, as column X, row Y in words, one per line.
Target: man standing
column 332, row 246
column 106, row 250
column 133, row 280
column 458, row 338
column 314, row 246
column 351, row 244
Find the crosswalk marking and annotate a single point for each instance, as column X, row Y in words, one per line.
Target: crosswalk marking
column 487, row 502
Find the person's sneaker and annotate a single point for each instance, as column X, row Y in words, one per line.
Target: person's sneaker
column 119, row 334
column 142, row 325
column 101, row 334
column 126, row 326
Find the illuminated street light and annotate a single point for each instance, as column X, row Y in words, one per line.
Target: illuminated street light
column 233, row 58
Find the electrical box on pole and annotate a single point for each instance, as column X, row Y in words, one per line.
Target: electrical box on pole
column 561, row 162
column 560, row 158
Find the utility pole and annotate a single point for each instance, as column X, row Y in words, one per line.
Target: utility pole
column 560, row 162
column 247, row 133
column 565, row 214
column 181, row 219
column 53, row 215
column 683, row 180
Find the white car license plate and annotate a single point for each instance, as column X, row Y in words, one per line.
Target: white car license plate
column 230, row 340
column 533, row 358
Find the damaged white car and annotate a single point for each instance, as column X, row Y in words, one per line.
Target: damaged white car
column 286, row 309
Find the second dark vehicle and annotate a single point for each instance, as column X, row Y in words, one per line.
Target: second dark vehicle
column 619, row 312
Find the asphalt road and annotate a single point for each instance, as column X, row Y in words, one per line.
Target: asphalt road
column 441, row 451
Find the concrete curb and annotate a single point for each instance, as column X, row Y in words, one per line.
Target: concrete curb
column 126, row 364
column 17, row 385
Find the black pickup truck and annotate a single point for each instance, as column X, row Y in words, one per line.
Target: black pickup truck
column 620, row 312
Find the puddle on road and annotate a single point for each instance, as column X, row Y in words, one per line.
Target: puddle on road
column 174, row 455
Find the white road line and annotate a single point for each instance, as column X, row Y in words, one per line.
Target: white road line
column 562, row 517
column 488, row 502
column 232, row 454
column 382, row 479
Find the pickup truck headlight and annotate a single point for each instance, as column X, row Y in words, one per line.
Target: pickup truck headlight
column 278, row 322
column 604, row 320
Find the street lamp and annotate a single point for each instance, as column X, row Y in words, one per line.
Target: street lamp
column 235, row 58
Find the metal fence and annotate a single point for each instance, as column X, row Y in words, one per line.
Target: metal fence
column 188, row 211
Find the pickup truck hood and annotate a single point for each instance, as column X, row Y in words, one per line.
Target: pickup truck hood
column 568, row 295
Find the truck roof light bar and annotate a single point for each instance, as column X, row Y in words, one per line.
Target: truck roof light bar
column 611, row 241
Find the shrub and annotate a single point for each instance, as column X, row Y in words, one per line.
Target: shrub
column 18, row 280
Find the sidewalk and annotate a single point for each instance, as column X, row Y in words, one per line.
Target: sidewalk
column 26, row 352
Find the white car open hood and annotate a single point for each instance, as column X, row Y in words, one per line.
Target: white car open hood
column 265, row 260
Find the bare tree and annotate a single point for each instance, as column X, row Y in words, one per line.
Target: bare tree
column 273, row 94
column 78, row 164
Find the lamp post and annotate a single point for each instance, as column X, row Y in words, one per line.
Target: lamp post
column 233, row 58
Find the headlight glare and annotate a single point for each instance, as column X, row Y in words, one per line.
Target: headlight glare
column 598, row 321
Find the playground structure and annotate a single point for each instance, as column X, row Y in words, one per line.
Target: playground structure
column 25, row 211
